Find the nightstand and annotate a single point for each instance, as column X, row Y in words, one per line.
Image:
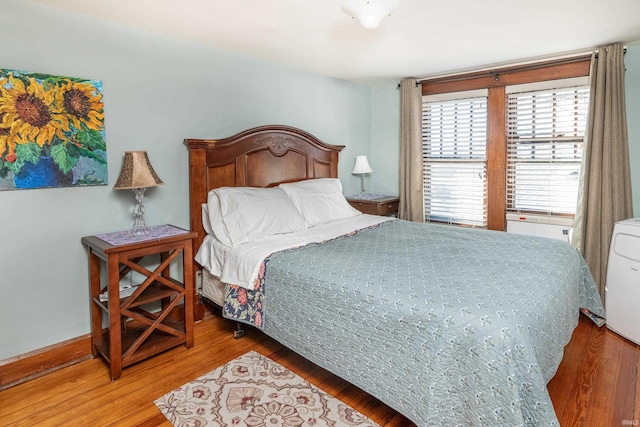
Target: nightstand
column 375, row 204
column 146, row 319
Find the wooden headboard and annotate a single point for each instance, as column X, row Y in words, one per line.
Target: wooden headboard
column 264, row 156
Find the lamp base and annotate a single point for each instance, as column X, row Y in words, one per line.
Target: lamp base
column 139, row 227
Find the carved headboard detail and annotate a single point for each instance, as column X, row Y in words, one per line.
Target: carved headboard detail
column 264, row 156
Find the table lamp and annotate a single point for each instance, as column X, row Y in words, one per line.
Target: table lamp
column 137, row 174
column 361, row 168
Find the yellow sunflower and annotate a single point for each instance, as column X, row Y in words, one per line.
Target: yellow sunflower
column 6, row 149
column 4, row 131
column 29, row 113
column 83, row 104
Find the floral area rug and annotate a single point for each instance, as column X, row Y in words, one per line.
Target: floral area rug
column 253, row 390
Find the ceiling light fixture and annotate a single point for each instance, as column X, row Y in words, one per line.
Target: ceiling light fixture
column 369, row 12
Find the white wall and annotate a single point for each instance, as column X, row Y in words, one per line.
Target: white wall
column 385, row 137
column 632, row 96
column 157, row 91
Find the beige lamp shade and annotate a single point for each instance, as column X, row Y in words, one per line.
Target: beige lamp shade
column 137, row 172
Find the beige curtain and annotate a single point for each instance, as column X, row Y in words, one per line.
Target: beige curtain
column 411, row 200
column 605, row 187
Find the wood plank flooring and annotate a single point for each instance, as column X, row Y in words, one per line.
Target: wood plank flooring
column 596, row 385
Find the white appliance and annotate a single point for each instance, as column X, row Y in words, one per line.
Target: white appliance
column 622, row 292
column 556, row 227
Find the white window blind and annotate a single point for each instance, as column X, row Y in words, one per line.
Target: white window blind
column 454, row 141
column 545, row 134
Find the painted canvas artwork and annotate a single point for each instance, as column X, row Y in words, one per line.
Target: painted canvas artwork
column 51, row 131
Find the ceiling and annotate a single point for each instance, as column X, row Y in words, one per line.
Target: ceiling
column 421, row 38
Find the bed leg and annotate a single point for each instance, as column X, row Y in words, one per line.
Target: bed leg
column 239, row 332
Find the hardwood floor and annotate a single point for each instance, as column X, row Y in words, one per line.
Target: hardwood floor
column 596, row 384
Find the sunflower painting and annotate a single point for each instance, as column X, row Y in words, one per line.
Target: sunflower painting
column 51, row 131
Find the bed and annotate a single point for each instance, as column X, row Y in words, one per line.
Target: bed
column 449, row 326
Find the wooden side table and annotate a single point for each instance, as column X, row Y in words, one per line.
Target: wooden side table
column 136, row 332
column 375, row 204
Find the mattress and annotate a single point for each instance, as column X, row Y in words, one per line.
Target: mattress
column 212, row 288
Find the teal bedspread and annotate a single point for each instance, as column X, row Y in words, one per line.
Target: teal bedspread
column 448, row 326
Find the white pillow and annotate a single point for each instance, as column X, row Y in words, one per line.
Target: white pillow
column 319, row 200
column 206, row 221
column 242, row 214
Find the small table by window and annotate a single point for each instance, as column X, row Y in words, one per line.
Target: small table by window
column 135, row 331
column 375, row 204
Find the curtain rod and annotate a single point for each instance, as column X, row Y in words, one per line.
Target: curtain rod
column 418, row 83
column 492, row 72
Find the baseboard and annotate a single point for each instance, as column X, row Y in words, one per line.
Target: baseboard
column 18, row 369
column 25, row 367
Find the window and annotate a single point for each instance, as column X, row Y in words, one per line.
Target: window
column 530, row 165
column 545, row 133
column 454, row 142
